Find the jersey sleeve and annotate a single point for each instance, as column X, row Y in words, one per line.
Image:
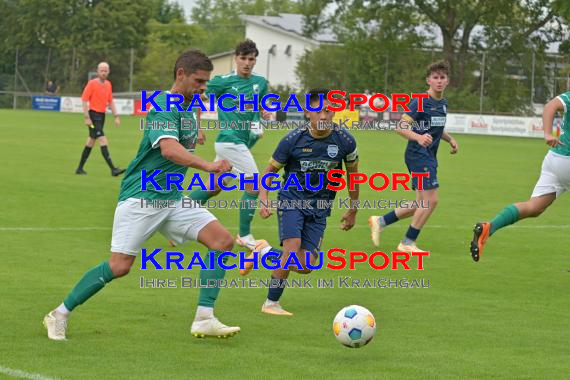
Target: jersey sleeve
column 565, row 99
column 413, row 112
column 215, row 86
column 282, row 152
column 87, row 91
column 351, row 157
column 110, row 99
column 157, row 134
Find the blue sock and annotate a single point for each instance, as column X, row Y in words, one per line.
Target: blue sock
column 388, row 219
column 275, row 292
column 411, row 235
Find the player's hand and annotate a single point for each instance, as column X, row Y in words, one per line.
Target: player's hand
column 265, row 115
column 201, row 137
column 264, row 212
column 454, row 146
column 117, row 121
column 88, row 121
column 552, row 141
column 424, row 140
column 222, row 166
column 348, row 220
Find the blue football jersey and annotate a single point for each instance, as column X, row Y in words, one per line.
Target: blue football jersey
column 431, row 120
column 300, row 153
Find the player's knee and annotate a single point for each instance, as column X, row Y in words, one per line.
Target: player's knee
column 120, row 269
column 224, row 243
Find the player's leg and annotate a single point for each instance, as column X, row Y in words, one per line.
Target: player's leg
column 243, row 164
column 246, row 213
column 419, row 219
column 200, row 225
column 86, row 151
column 378, row 223
column 554, row 180
column 132, row 225
column 278, row 277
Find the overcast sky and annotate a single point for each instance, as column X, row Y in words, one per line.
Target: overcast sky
column 187, row 5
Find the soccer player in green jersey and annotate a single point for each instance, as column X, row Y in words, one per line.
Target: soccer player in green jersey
column 554, row 178
column 170, row 150
column 239, row 131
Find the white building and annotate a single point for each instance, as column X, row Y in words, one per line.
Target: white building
column 281, row 43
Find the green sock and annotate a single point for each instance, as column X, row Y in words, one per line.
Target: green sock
column 507, row 216
column 246, row 213
column 208, row 295
column 91, row 282
column 200, row 196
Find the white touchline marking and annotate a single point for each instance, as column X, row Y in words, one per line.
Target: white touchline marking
column 23, row 374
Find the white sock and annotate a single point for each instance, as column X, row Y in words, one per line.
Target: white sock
column 204, row 312
column 264, row 250
column 61, row 309
column 268, row 302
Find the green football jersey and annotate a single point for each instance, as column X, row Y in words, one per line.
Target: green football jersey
column 565, row 128
column 236, row 85
column 149, row 156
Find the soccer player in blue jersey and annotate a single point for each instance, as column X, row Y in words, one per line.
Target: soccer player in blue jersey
column 553, row 181
column 421, row 156
column 315, row 151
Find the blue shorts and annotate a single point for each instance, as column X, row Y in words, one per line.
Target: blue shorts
column 430, row 182
column 309, row 228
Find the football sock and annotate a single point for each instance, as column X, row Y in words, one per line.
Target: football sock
column 388, row 219
column 107, row 156
column 200, row 196
column 263, row 251
column 61, row 309
column 507, row 216
column 204, row 312
column 84, row 156
column 411, row 235
column 246, row 213
column 91, row 282
column 276, row 289
column 209, row 295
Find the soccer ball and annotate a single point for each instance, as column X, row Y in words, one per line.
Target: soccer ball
column 354, row 326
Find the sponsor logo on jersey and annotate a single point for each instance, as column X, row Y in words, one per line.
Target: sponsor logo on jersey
column 318, row 165
column 437, row 121
column 255, row 88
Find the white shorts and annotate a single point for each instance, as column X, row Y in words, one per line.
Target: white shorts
column 134, row 224
column 239, row 156
column 554, row 176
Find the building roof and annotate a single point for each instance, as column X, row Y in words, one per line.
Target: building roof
column 290, row 23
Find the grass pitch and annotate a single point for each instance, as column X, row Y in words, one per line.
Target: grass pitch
column 504, row 317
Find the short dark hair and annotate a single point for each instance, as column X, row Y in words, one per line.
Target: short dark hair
column 247, row 47
column 315, row 93
column 438, row 67
column 192, row 60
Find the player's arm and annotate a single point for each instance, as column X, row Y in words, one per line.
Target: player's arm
column 351, row 163
column 114, row 111
column 201, row 135
column 85, row 102
column 406, row 126
column 454, row 146
column 550, row 109
column 173, row 151
column 272, row 167
column 349, row 218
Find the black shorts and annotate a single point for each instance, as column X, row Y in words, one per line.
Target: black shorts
column 98, row 120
